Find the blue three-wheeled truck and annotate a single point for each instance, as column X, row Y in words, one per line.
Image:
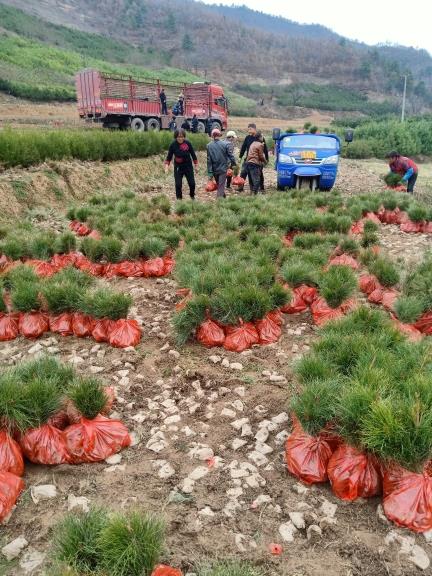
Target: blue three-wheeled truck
column 307, row 159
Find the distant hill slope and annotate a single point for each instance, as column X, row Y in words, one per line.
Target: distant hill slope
column 273, row 24
column 231, row 45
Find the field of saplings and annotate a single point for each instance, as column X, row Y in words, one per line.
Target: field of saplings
column 271, row 340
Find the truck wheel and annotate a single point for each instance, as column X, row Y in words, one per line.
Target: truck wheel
column 201, row 128
column 138, row 125
column 280, row 187
column 215, row 126
column 153, row 125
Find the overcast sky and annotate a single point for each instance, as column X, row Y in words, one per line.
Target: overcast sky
column 370, row 21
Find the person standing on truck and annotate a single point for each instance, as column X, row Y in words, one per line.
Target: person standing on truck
column 219, row 157
column 163, row 101
column 251, row 137
column 255, row 162
column 194, row 124
column 184, row 155
column 230, row 139
column 181, row 103
column 405, row 167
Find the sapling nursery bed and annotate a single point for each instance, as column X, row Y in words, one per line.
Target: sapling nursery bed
column 51, row 416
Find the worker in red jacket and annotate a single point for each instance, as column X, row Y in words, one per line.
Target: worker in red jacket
column 405, row 167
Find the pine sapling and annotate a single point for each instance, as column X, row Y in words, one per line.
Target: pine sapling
column 409, row 308
column 337, row 285
column 88, row 396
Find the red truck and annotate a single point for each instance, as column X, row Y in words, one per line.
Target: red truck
column 125, row 102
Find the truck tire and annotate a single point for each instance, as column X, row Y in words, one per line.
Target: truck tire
column 138, row 125
column 215, row 126
column 280, row 187
column 201, row 128
column 153, row 125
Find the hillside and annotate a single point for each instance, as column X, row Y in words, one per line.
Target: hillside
column 294, row 65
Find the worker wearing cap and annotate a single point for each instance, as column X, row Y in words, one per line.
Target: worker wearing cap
column 230, row 139
column 219, row 158
column 405, row 167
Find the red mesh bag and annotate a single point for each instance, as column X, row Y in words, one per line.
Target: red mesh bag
column 45, row 445
column 169, row 264
column 354, row 474
column 125, row 333
column 308, row 293
column 163, row 570
column 411, row 227
column 297, row 303
column 210, row 334
column 408, row 498
column 322, row 313
column 42, row 269
column 288, row 238
column 129, row 269
column 391, row 216
column 63, row 260
column 307, row 456
column 269, row 332
column 389, row 298
column 242, row 337
column 238, row 181
column 74, row 225
column 276, row 317
column 154, row 267
column 424, row 323
column 409, row 330
column 368, row 283
column 61, row 324
column 344, row 260
column 9, row 327
column 93, row 268
column 11, row 487
column 33, row 324
column 83, row 230
column 95, row 440
column 5, row 262
column 377, row 295
column 82, row 324
column 95, row 235
column 110, row 270
column 211, row 186
column 11, row 458
column 373, row 217
column 102, row 330
column 357, row 227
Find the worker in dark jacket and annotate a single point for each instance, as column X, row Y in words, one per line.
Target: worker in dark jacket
column 405, row 167
column 219, row 157
column 185, row 125
column 183, row 153
column 163, row 101
column 244, row 150
column 255, row 162
column 194, row 124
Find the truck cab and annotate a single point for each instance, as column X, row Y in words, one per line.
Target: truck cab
column 306, row 159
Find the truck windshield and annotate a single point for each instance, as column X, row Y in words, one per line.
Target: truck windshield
column 309, row 141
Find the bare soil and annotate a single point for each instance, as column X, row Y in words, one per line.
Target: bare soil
column 236, row 507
